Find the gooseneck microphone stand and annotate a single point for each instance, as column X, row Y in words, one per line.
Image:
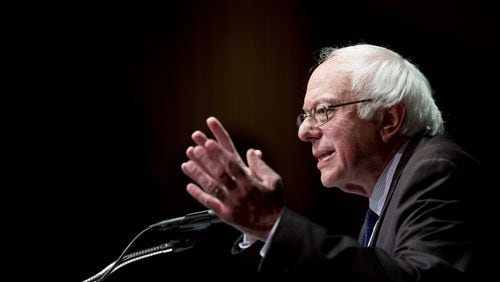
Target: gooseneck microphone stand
column 191, row 222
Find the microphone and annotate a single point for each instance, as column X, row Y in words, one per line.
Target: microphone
column 191, row 222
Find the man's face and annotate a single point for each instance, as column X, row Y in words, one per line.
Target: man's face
column 345, row 146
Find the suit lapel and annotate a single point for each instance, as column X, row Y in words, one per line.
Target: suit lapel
column 410, row 148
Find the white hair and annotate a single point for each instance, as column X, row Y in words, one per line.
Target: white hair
column 383, row 75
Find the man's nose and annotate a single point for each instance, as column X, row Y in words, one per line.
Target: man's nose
column 308, row 132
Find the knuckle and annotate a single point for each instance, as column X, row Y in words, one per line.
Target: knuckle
column 199, row 152
column 211, row 186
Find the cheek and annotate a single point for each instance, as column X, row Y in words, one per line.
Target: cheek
column 344, row 139
column 351, row 148
column 347, row 155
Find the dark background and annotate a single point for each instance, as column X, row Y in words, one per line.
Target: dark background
column 126, row 85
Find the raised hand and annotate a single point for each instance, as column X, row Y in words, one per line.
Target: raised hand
column 247, row 197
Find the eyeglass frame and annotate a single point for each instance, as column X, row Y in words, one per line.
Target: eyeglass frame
column 312, row 114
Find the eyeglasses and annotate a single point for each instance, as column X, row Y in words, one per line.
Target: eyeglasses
column 321, row 115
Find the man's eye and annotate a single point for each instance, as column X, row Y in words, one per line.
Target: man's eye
column 322, row 111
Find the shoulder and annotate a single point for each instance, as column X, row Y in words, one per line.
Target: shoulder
column 438, row 163
column 441, row 150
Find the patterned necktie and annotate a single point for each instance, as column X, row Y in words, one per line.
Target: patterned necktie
column 370, row 219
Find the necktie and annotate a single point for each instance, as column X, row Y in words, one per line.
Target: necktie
column 370, row 219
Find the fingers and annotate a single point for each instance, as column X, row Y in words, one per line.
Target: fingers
column 204, row 198
column 224, row 140
column 209, row 173
column 191, row 169
column 208, row 163
column 227, row 161
column 208, row 167
column 214, row 165
column 221, row 135
column 261, row 170
column 199, row 138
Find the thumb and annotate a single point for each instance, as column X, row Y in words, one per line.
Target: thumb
column 261, row 170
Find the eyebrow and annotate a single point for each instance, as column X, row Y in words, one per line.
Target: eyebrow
column 330, row 101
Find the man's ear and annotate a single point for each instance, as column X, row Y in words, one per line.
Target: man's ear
column 392, row 120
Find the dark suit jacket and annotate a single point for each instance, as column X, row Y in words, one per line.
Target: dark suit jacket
column 431, row 227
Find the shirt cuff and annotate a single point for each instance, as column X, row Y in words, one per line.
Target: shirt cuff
column 249, row 240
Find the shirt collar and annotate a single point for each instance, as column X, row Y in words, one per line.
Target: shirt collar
column 384, row 181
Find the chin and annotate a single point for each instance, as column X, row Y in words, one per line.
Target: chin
column 356, row 190
column 327, row 181
column 330, row 181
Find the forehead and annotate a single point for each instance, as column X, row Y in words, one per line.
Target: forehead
column 326, row 84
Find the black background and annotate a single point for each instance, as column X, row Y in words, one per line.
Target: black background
column 124, row 85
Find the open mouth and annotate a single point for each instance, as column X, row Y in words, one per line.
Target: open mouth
column 325, row 156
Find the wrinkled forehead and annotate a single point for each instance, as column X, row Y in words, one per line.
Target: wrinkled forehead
column 327, row 84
